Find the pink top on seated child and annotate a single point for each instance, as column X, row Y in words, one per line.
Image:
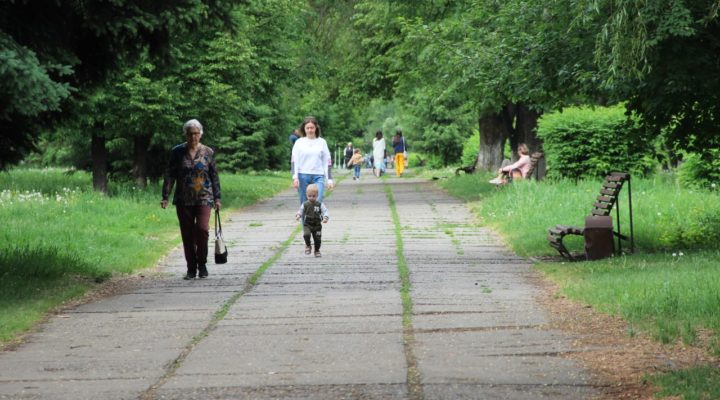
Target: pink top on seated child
column 523, row 164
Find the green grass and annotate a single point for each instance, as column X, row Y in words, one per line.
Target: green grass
column 666, row 217
column 670, row 287
column 700, row 383
column 58, row 237
column 670, row 297
column 413, row 373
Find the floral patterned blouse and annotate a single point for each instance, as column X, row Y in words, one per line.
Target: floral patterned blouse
column 197, row 179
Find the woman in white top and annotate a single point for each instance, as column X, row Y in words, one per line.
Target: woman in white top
column 311, row 160
column 378, row 153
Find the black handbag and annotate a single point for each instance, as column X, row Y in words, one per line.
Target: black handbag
column 221, row 253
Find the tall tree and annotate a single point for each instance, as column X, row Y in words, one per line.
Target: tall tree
column 50, row 49
column 664, row 56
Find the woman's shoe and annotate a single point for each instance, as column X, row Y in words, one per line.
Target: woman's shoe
column 317, row 253
column 308, row 249
column 203, row 272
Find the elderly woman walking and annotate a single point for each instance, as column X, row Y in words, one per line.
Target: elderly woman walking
column 197, row 190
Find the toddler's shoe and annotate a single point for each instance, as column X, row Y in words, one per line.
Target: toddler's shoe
column 496, row 181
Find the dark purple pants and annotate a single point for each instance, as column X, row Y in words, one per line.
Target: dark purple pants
column 195, row 230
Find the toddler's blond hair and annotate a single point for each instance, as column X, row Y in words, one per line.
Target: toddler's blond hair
column 312, row 188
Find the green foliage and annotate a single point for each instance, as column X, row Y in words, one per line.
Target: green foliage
column 42, row 60
column 470, row 150
column 701, row 171
column 659, row 55
column 581, row 142
column 229, row 79
column 28, row 79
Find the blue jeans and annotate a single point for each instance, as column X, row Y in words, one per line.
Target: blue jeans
column 305, row 180
column 357, row 171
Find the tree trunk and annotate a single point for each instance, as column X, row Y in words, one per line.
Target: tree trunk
column 509, row 114
column 492, row 141
column 526, row 127
column 140, row 146
column 99, row 164
column 526, row 124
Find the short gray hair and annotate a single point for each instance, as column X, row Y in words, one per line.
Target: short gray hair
column 193, row 123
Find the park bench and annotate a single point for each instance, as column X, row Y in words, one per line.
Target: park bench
column 598, row 232
column 534, row 160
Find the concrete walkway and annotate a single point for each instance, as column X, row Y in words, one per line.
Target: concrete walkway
column 316, row 328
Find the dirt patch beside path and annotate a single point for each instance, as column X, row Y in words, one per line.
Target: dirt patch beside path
column 618, row 362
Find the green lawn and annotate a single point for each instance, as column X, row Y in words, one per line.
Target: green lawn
column 59, row 238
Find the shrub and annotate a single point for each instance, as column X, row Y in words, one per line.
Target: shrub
column 470, row 149
column 701, row 172
column 581, row 142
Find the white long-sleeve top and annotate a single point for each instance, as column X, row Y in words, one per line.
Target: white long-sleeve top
column 311, row 156
column 379, row 150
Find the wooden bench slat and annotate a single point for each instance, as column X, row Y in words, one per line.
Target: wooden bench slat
column 604, row 206
column 609, row 192
column 624, row 175
column 607, row 199
column 599, row 211
column 611, row 185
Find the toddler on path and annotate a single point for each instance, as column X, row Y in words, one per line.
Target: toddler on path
column 313, row 214
column 356, row 161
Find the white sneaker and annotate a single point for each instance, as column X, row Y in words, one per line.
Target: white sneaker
column 496, row 181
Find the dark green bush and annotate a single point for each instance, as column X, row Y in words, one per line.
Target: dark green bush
column 583, row 142
column 701, row 172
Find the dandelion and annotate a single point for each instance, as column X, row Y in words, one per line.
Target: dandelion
column 674, row 254
column 681, row 254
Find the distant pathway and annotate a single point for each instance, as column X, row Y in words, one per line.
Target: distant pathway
column 274, row 323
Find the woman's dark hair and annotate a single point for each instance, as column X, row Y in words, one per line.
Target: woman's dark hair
column 398, row 132
column 306, row 121
column 378, row 135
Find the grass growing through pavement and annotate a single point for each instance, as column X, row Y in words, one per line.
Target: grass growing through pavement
column 413, row 373
column 669, row 287
column 58, row 237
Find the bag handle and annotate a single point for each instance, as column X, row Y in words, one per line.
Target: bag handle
column 218, row 224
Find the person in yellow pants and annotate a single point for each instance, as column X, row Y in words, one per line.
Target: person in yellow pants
column 399, row 147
